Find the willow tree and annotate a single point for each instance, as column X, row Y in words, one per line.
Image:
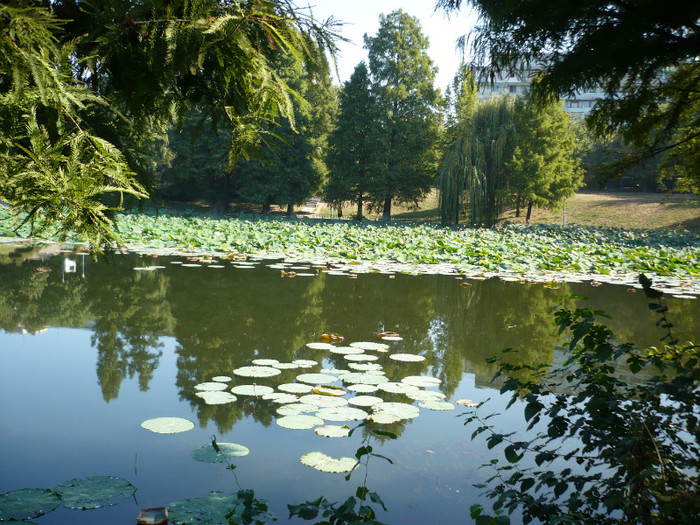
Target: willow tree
column 475, row 167
column 83, row 84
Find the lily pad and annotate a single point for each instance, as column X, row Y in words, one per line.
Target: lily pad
column 324, row 463
column 323, row 401
column 363, row 389
column 408, row 358
column 333, row 431
column 436, row 405
column 168, row 425
column 208, row 454
column 210, row 386
column 216, row 397
column 93, row 492
column 320, row 346
column 221, row 379
column 421, row 381
column 257, row 371
column 280, row 397
column 329, row 390
column 467, row 403
column 383, row 418
column 285, row 366
column 299, row 422
column 397, row 388
column 23, row 504
column 370, row 345
column 316, row 379
column 425, row 395
column 305, row 363
column 366, row 379
column 365, row 401
column 402, row 410
column 343, row 413
column 296, row 408
column 296, row 388
column 265, row 362
column 360, row 357
column 252, row 390
column 366, row 367
column 346, row 350
column 212, row 509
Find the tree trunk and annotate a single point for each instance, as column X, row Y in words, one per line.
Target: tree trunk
column 266, row 208
column 340, row 211
column 290, row 209
column 529, row 213
column 386, row 212
column 517, row 206
column 359, row 207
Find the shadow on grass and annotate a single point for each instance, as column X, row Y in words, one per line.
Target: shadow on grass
column 431, row 215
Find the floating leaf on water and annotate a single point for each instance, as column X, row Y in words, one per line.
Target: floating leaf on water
column 382, row 418
column 366, row 367
column 23, row 504
column 333, row 431
column 93, row 492
column 334, row 371
column 320, row 346
column 326, row 390
column 392, row 338
column 467, row 403
column 402, row 410
column 154, row 516
column 208, row 454
column 360, row 357
column 366, row 379
column 221, row 379
column 252, row 390
column 265, row 362
column 299, row 421
column 407, row 358
column 436, row 405
column 144, row 268
column 316, row 379
column 168, row 425
column 285, row 366
column 305, row 363
column 323, row 401
column 363, row 389
column 296, row 408
column 280, row 397
column 216, row 397
column 425, row 395
column 344, row 413
column 212, row 509
column 346, row 350
column 191, row 265
column 365, row 401
column 257, row 371
column 421, row 381
column 210, row 385
column 370, row 345
column 320, row 461
column 295, row 388
column 397, row 388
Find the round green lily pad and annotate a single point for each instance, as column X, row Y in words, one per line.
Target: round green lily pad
column 211, row 509
column 329, row 390
column 323, row 401
column 360, row 357
column 280, row 397
column 296, row 408
column 366, row 367
column 299, row 422
column 295, row 388
column 344, row 413
column 397, row 388
column 208, row 454
column 402, row 410
column 363, row 389
column 369, row 345
column 383, row 418
column 346, row 350
column 285, row 366
column 319, row 346
column 265, row 362
column 366, row 379
column 252, row 390
column 421, row 381
column 365, row 401
column 221, row 379
column 23, row 504
column 436, row 405
column 424, row 395
column 93, row 492
column 210, row 386
column 305, row 363
column 168, row 425
column 408, row 358
column 324, row 463
column 333, row 431
column 257, row 371
column 316, row 379
column 216, row 397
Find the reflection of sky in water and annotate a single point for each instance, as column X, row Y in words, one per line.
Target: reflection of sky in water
column 56, row 424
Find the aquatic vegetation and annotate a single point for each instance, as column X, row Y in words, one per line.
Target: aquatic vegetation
column 168, row 425
column 93, row 492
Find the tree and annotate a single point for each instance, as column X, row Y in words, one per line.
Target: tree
column 355, row 145
column 82, row 84
column 642, row 54
column 403, row 81
column 545, row 167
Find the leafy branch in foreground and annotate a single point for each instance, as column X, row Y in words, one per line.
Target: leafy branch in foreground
column 616, row 434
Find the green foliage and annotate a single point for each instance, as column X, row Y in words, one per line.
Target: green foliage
column 642, row 55
column 607, row 450
column 409, row 109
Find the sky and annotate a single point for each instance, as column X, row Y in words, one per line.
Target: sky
column 362, row 16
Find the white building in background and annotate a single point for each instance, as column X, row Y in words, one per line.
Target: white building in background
column 518, row 84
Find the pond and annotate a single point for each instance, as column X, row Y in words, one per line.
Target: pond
column 89, row 352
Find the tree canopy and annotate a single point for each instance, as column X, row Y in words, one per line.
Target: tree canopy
column 82, row 84
column 642, row 54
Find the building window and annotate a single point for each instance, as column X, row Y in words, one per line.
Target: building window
column 512, row 89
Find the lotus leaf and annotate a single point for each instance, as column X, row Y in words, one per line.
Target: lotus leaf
column 191, row 265
column 305, row 363
column 360, row 357
column 295, row 388
column 299, row 421
column 333, row 431
column 323, row 401
column 93, row 492
column 408, row 358
column 252, row 390
column 366, row 379
column 208, row 454
column 365, row 401
column 366, row 367
column 168, row 425
column 265, row 362
column 424, row 395
column 382, row 418
column 370, row 345
column 363, row 389
column 436, row 405
column 210, row 385
column 326, row 390
column 421, row 381
column 213, row 509
column 280, row 397
column 346, row 350
column 23, row 504
column 402, row 410
column 397, row 388
column 216, row 397
column 296, row 408
column 320, row 346
column 343, row 413
column 257, row 371
column 221, row 379
column 285, row 366
column 324, row 463
column 316, row 379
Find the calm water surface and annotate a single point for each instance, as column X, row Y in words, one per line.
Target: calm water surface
column 86, row 356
